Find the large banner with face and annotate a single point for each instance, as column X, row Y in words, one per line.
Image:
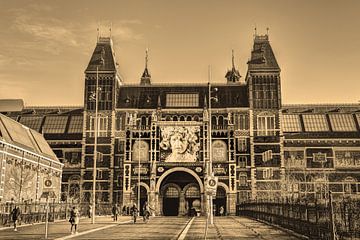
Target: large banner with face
column 179, row 143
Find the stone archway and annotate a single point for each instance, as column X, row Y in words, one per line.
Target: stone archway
column 144, row 195
column 179, row 180
column 179, row 169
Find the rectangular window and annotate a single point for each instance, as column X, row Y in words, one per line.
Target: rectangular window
column 266, row 125
column 33, row 122
column 102, row 126
column 55, row 124
column 291, row 123
column 268, row 173
column 342, row 122
column 242, row 161
column 76, row 124
column 100, row 157
column 99, row 174
column 182, row 100
column 118, row 123
column 242, row 121
column 315, row 123
column 243, row 180
column 241, row 144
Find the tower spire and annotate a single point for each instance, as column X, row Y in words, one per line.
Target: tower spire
column 232, row 53
column 146, row 58
column 233, row 75
column 146, row 77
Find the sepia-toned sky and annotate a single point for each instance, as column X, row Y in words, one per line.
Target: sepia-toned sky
column 45, row 46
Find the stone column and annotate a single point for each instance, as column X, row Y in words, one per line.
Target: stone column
column 231, row 204
column 182, row 210
column 203, row 203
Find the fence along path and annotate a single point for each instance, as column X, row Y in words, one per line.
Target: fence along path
column 311, row 219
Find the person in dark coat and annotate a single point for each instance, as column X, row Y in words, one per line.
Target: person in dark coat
column 134, row 212
column 115, row 212
column 15, row 214
column 74, row 219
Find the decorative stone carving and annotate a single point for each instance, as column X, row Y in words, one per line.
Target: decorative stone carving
column 347, row 159
column 219, row 151
column 183, row 142
column 140, row 150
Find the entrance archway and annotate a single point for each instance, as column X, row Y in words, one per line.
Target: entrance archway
column 178, row 191
column 192, row 199
column 171, row 200
column 143, row 197
column 219, row 201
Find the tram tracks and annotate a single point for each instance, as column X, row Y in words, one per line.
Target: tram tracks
column 183, row 232
column 258, row 235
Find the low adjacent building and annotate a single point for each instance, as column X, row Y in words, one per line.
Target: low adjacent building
column 29, row 169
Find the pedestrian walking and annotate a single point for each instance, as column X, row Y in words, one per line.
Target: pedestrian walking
column 124, row 210
column 134, row 212
column 222, row 211
column 115, row 212
column 74, row 220
column 90, row 211
column 15, row 215
column 146, row 212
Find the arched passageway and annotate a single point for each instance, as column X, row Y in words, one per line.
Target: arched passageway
column 219, row 200
column 179, row 194
column 143, row 197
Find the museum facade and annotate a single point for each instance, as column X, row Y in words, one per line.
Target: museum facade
column 163, row 138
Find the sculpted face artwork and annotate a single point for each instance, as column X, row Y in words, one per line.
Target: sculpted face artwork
column 182, row 141
column 178, row 143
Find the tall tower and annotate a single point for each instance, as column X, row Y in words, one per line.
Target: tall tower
column 266, row 140
column 101, row 71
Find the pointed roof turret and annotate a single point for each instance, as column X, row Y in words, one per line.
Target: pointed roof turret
column 262, row 55
column 233, row 75
column 146, row 77
column 103, row 56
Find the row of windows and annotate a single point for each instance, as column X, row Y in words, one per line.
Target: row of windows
column 319, row 122
column 182, row 100
column 102, row 126
column 53, row 124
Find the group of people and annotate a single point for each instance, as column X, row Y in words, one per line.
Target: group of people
column 146, row 212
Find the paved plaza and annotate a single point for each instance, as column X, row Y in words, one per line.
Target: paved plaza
column 157, row 228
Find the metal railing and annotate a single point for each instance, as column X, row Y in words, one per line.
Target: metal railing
column 312, row 219
column 36, row 212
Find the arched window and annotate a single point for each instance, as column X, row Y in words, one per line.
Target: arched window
column 188, row 118
column 220, row 192
column 182, row 118
column 221, row 122
column 175, row 118
column 172, row 192
column 192, row 192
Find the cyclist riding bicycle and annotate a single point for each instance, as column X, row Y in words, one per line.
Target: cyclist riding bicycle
column 134, row 212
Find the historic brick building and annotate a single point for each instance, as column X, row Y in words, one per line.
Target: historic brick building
column 261, row 149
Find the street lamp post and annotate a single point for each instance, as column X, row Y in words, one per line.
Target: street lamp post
column 95, row 145
column 210, row 145
column 138, row 200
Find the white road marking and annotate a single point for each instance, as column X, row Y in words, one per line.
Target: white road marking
column 183, row 234
column 90, row 231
